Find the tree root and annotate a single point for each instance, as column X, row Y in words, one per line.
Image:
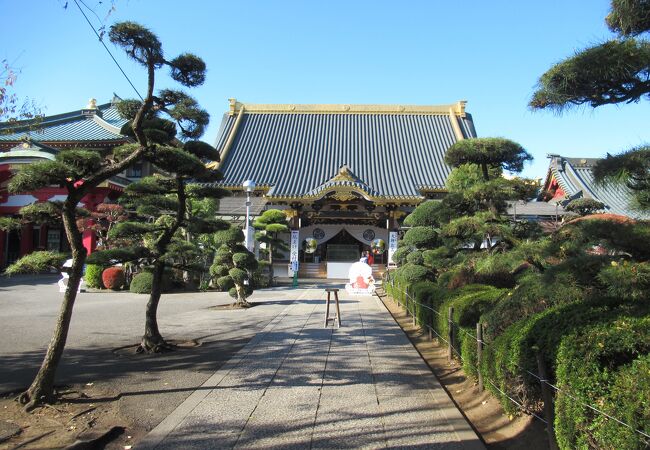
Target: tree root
column 241, row 304
column 30, row 402
column 154, row 345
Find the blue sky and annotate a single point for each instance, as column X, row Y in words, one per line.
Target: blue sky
column 490, row 53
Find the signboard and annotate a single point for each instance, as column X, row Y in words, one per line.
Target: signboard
column 295, row 245
column 392, row 245
column 293, row 255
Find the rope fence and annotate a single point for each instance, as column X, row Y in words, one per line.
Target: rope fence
column 544, row 383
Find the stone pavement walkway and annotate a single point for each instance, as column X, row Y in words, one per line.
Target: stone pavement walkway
column 299, row 385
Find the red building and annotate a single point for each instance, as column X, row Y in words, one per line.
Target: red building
column 25, row 142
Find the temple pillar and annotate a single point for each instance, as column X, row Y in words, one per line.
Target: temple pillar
column 89, row 237
column 26, row 241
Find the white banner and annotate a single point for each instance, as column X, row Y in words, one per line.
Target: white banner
column 295, row 245
column 250, row 239
column 392, row 245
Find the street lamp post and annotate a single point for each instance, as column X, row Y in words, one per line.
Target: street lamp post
column 249, row 186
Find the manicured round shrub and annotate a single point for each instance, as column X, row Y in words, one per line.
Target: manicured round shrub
column 225, row 283
column 424, row 215
column 421, row 237
column 113, row 278
column 411, row 273
column 400, row 255
column 141, row 283
column 606, row 365
column 243, row 260
column 238, row 275
column 218, row 270
column 93, row 276
column 514, row 351
column 415, row 258
column 533, row 295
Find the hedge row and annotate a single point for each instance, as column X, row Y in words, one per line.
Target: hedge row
column 608, row 365
column 559, row 321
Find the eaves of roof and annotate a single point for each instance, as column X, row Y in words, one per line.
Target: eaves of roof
column 86, row 125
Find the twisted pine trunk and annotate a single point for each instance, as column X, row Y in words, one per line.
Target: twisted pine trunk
column 271, row 260
column 152, row 340
column 42, row 388
column 241, row 297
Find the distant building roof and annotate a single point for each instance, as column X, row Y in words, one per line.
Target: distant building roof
column 535, row 209
column 236, row 206
column 94, row 125
column 571, row 178
column 28, row 151
column 294, row 151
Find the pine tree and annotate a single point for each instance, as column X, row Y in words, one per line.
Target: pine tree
column 161, row 223
column 233, row 265
column 616, row 71
column 79, row 171
column 471, row 214
column 270, row 224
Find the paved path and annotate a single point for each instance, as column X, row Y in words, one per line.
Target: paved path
column 299, row 385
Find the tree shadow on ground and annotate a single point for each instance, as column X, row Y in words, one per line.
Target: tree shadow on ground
column 11, row 282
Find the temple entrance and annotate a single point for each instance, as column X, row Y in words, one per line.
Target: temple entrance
column 337, row 250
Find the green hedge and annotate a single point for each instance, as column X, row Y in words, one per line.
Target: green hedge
column 409, row 274
column 514, row 351
column 534, row 294
column 429, row 294
column 93, row 276
column 470, row 303
column 141, row 283
column 608, row 366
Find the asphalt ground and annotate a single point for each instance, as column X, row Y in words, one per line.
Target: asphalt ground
column 149, row 387
column 266, row 377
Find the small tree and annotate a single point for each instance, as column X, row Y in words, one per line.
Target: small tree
column 585, row 206
column 271, row 223
column 160, row 219
column 488, row 153
column 12, row 108
column 233, row 266
column 80, row 171
column 102, row 220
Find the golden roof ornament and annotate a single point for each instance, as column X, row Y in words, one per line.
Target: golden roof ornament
column 343, row 175
column 92, row 104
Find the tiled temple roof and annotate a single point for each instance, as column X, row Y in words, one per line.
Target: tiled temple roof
column 575, row 177
column 88, row 125
column 395, row 152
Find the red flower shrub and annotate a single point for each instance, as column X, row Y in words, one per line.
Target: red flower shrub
column 113, row 278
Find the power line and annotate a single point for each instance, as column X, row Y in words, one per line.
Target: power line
column 109, row 52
